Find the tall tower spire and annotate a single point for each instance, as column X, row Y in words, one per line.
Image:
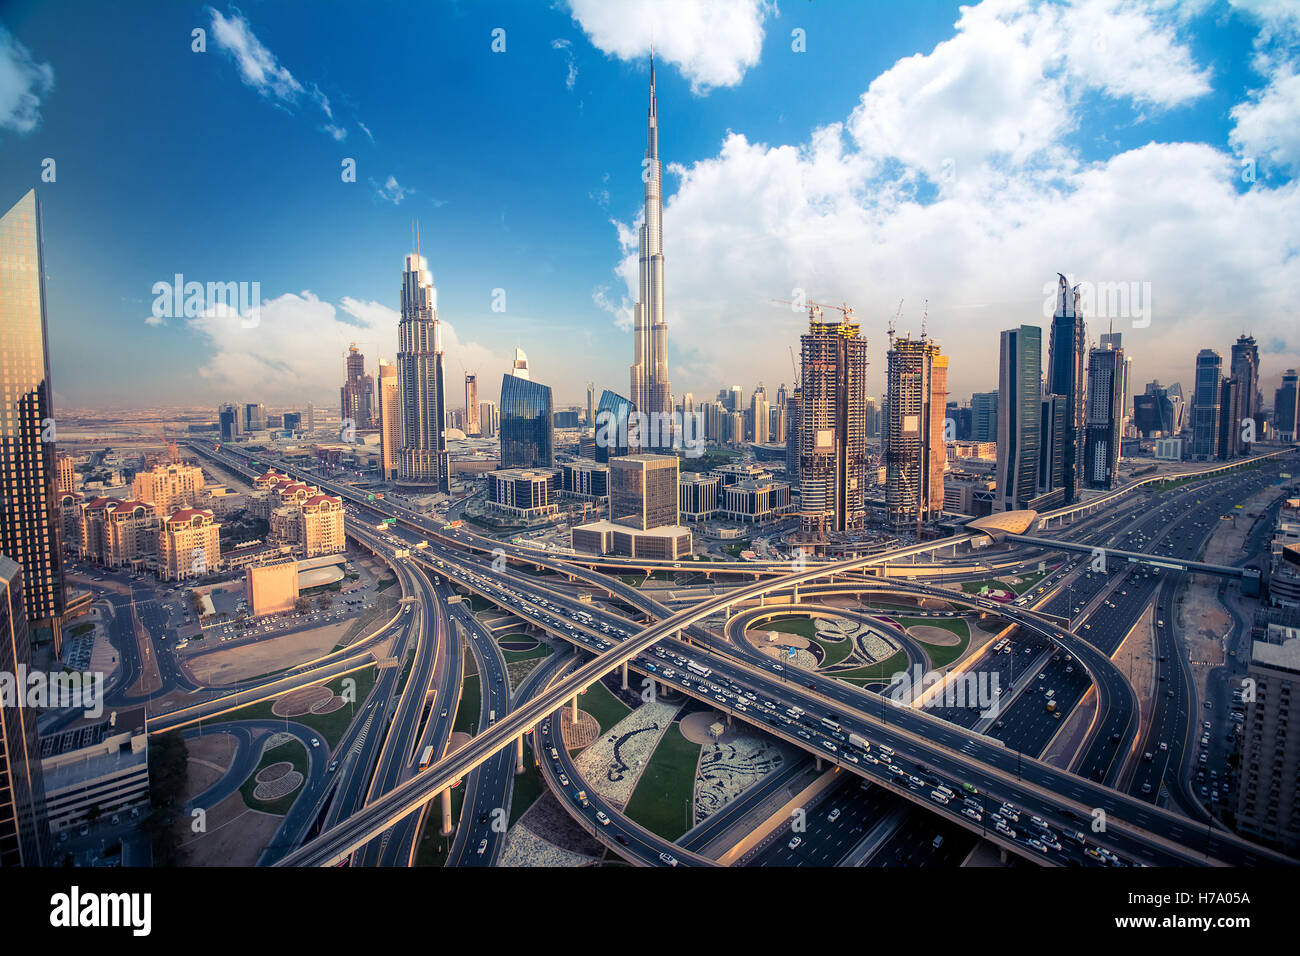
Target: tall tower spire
column 649, row 371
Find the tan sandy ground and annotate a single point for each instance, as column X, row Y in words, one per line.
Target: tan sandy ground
column 1135, row 658
column 695, row 727
column 578, row 735
column 938, row 636
column 235, row 835
column 236, row 663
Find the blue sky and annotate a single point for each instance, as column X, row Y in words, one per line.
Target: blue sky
column 913, row 151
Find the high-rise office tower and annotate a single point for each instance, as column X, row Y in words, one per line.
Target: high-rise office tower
column 356, row 397
column 1286, row 406
column 735, row 398
column 1114, row 340
column 984, row 416
column 29, row 516
column 1268, row 801
column 390, row 421
column 527, row 423
column 254, row 417
column 489, row 418
column 758, row 412
column 915, row 454
column 1231, row 397
column 423, row 458
column 649, row 372
column 311, row 418
column 643, row 491
column 1104, row 417
column 612, row 439
column 1205, row 405
column 229, row 421
column 1065, row 377
column 1245, row 369
column 1153, row 411
column 1019, row 417
column 24, row 830
column 873, row 417
column 473, row 428
column 793, row 416
column 591, row 404
column 832, row 428
column 1051, row 451
column 780, row 419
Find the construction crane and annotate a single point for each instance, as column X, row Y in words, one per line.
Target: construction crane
column 794, row 366
column 163, row 431
column 894, row 322
column 815, row 308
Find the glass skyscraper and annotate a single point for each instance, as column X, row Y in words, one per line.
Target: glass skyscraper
column 29, row 526
column 527, row 428
column 1065, row 377
column 1020, row 409
column 423, row 458
column 23, row 826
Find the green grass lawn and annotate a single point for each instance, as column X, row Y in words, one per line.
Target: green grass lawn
column 974, row 587
column 941, row 655
column 528, row 786
column 604, row 706
column 1027, row 581
column 633, row 580
column 81, row 629
column 874, row 672
column 470, row 700
column 834, row 651
column 662, row 801
column 803, row 626
column 292, row 751
column 433, row 845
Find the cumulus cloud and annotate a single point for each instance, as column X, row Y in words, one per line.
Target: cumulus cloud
column 296, row 347
column 392, row 191
column 840, row 216
column 713, row 42
column 23, row 84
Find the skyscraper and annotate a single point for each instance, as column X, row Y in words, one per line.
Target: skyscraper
column 611, row 419
column 473, row 427
column 230, row 422
column 793, row 413
column 519, row 367
column 1286, row 406
column 527, row 425
column 1245, row 369
column 254, row 417
column 984, row 416
column 423, row 458
column 23, row 827
column 1020, row 412
column 390, row 421
column 915, row 453
column 832, row 428
column 758, row 412
column 1205, row 405
column 591, row 404
column 643, row 491
column 1104, row 417
column 649, row 372
column 29, row 523
column 356, row 397
column 1065, row 377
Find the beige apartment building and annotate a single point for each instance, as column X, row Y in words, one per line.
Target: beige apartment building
column 117, row 533
column 272, row 588
column 189, row 545
column 169, row 487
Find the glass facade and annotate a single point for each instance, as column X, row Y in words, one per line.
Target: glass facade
column 611, row 426
column 527, row 432
column 29, row 525
column 23, row 827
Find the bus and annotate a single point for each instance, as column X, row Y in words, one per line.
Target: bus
column 830, row 724
column 699, row 669
column 426, row 758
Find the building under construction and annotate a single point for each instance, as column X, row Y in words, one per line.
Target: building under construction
column 832, row 432
column 914, row 451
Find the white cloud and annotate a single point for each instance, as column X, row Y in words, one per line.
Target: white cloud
column 296, row 348
column 23, row 84
column 713, row 42
column 571, row 77
column 392, row 191
column 261, row 70
column 838, row 217
column 1267, row 127
column 155, row 320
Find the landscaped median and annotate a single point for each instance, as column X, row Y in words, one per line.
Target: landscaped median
column 664, row 799
column 940, row 654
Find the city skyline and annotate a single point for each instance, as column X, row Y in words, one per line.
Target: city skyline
column 1186, row 115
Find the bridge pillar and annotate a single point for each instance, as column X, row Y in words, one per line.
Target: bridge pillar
column 1002, row 854
column 575, row 708
column 446, row 813
column 819, row 764
column 625, row 675
column 519, row 754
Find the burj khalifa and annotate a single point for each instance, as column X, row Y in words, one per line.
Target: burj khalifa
column 650, row 391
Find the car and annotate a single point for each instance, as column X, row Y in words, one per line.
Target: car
column 1146, row 787
column 833, row 815
column 334, row 765
column 564, row 779
column 1038, row 844
column 602, row 818
column 315, row 742
column 1163, row 746
column 668, row 859
column 973, row 814
column 482, row 847
column 794, row 843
